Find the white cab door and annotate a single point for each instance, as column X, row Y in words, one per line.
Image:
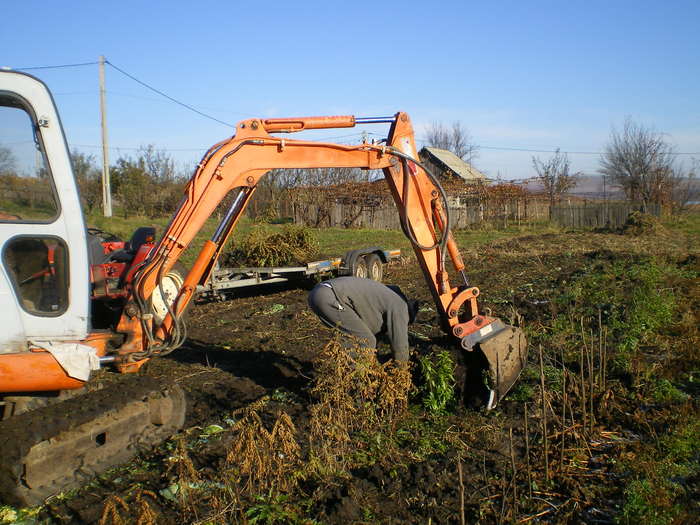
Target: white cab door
column 44, row 272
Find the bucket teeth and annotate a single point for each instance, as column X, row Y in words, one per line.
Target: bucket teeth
column 506, row 353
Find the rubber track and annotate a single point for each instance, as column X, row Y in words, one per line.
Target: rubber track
column 20, row 433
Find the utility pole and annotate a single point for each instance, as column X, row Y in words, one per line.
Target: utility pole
column 106, row 189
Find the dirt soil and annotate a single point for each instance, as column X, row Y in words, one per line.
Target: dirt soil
column 242, row 349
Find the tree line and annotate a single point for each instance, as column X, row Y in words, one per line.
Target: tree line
column 637, row 159
column 147, row 184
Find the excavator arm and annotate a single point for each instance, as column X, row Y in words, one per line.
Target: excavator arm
column 236, row 165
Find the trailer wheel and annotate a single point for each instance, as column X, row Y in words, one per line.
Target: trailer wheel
column 375, row 268
column 172, row 282
column 359, row 268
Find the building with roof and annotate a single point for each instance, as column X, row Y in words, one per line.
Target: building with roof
column 449, row 166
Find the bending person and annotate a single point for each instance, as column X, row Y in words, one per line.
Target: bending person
column 364, row 309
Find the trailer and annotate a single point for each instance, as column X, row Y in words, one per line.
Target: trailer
column 364, row 263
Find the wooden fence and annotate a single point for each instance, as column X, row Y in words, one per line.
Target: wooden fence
column 386, row 217
column 597, row 214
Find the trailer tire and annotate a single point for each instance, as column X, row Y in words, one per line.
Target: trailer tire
column 375, row 267
column 359, row 268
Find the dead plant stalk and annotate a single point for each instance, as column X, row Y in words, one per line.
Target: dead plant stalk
column 544, row 417
column 563, row 412
column 527, row 453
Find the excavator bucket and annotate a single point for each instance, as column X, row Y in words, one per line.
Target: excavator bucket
column 506, row 353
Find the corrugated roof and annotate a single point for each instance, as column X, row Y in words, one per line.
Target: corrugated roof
column 452, row 162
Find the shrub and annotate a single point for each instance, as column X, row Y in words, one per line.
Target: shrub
column 261, row 247
column 639, row 223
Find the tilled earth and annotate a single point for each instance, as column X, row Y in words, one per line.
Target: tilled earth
column 265, row 344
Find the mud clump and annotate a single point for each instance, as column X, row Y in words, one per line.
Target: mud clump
column 262, row 247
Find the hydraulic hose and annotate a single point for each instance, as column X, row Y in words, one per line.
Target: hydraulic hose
column 405, row 226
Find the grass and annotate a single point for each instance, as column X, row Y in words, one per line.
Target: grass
column 332, row 242
column 638, row 297
column 632, row 297
column 276, row 509
column 661, row 475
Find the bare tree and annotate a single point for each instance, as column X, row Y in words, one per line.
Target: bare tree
column 158, row 163
column 7, row 161
column 555, row 175
column 455, row 139
column 683, row 186
column 639, row 161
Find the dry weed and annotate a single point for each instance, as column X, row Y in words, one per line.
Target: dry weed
column 354, row 393
column 262, row 247
column 265, row 459
column 394, row 391
column 111, row 514
column 145, row 515
column 286, row 451
column 249, row 453
column 225, row 507
column 187, row 479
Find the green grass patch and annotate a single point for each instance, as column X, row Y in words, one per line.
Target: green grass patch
column 332, row 242
column 664, row 473
column 636, row 299
column 663, row 391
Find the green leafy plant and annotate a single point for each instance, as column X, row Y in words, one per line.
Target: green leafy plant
column 658, row 491
column 276, row 509
column 633, row 297
column 646, row 502
column 438, row 381
column 663, row 391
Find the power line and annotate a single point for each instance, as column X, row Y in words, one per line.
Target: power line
column 135, row 80
column 138, row 97
column 55, row 67
column 168, row 96
column 131, row 148
column 528, row 150
column 187, row 106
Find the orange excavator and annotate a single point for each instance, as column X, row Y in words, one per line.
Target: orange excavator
column 150, row 297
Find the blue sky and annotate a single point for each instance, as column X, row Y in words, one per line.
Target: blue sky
column 530, row 75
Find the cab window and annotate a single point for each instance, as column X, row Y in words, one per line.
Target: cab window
column 26, row 189
column 37, row 267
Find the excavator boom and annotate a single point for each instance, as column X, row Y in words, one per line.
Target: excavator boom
column 51, row 342
column 238, row 164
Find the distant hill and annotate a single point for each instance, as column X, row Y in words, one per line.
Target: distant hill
column 591, row 186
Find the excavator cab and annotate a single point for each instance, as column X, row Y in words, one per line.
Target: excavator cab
column 44, row 279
